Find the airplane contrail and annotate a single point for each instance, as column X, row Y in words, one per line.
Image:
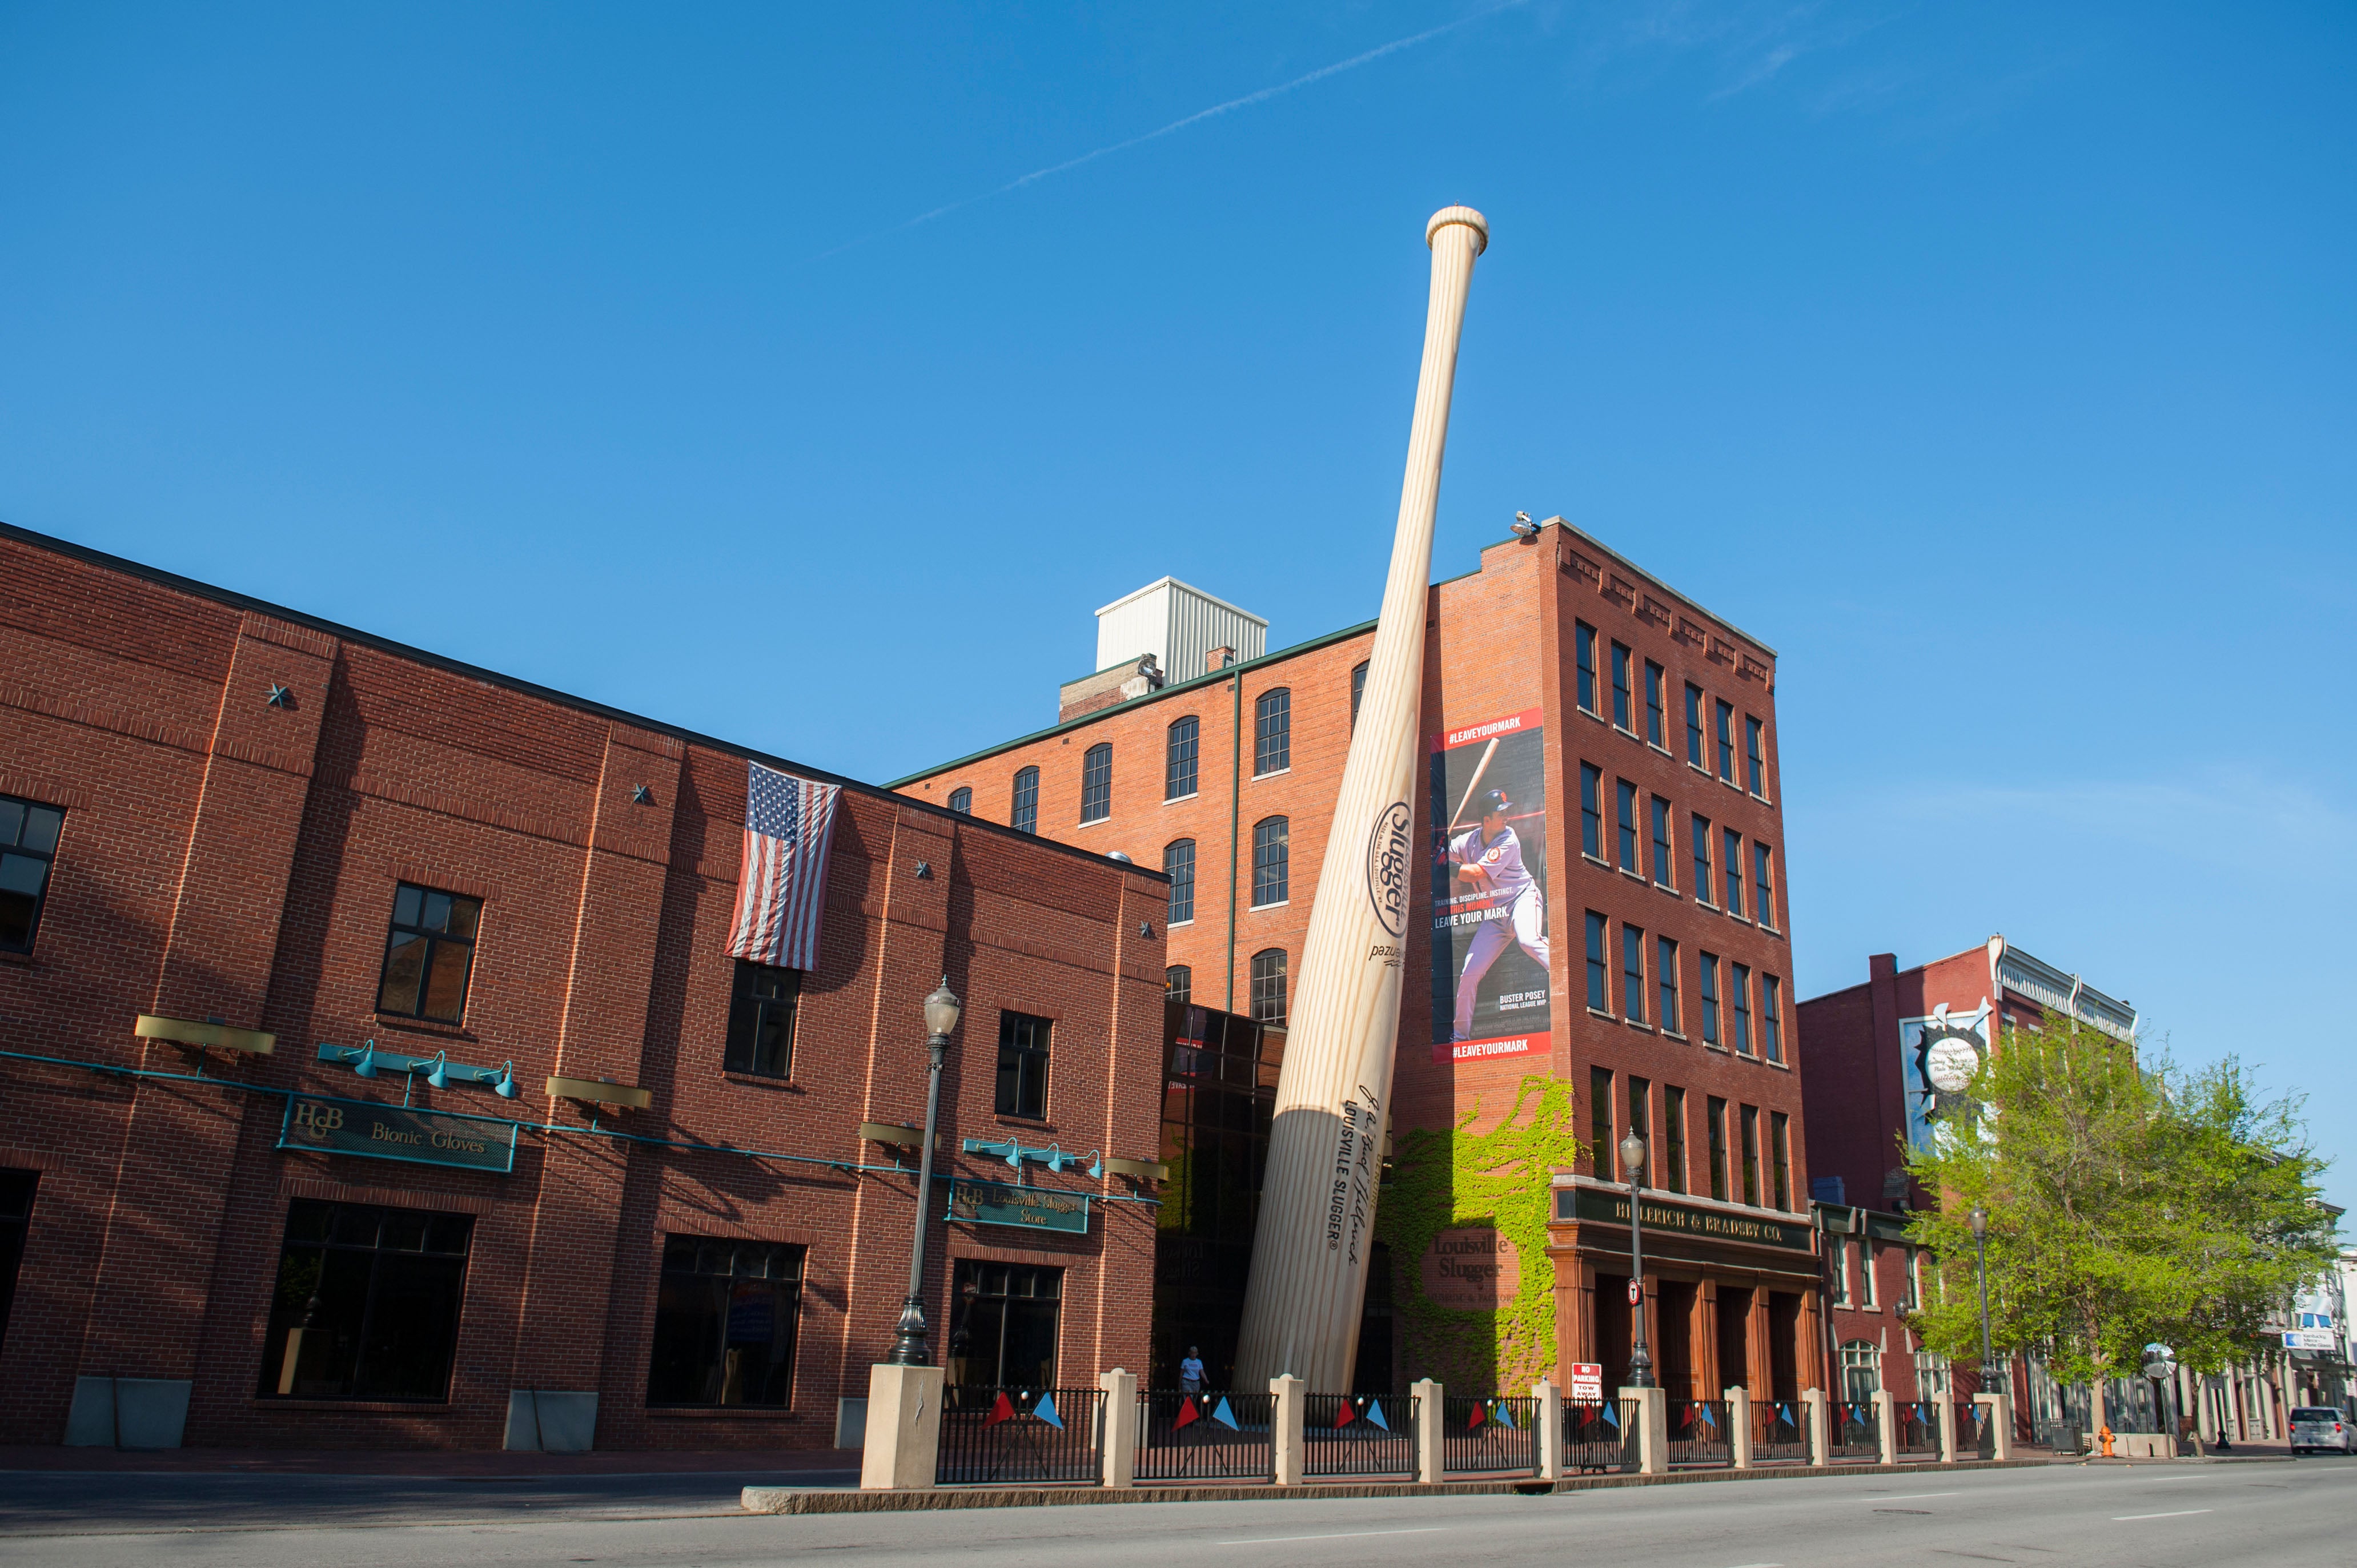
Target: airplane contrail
column 1216, row 110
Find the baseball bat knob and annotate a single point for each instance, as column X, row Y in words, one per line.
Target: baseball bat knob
column 1465, row 215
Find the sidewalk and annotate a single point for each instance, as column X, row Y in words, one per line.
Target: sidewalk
column 441, row 1463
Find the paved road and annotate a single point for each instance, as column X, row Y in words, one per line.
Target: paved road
column 2201, row 1516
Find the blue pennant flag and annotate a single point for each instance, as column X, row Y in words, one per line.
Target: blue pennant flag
column 1225, row 1416
column 1046, row 1411
column 1506, row 1416
column 1613, row 1416
column 1375, row 1414
column 1709, row 1420
column 1784, row 1413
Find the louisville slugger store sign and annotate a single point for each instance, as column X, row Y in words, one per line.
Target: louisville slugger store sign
column 395, row 1132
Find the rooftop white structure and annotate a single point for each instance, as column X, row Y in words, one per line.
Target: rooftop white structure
column 1180, row 626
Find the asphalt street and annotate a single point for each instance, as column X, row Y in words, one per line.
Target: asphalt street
column 2202, row 1516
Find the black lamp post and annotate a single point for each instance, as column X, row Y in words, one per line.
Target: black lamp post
column 1980, row 1268
column 1632, row 1166
column 909, row 1348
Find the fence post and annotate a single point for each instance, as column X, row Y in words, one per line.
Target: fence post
column 1886, row 1426
column 1653, row 1429
column 1947, row 1408
column 1998, row 1412
column 904, row 1428
column 1821, row 1440
column 1427, row 1396
column 1284, row 1427
column 1550, row 1432
column 1118, row 1448
column 1738, row 1424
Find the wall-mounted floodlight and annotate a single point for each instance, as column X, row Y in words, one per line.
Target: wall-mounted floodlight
column 366, row 1065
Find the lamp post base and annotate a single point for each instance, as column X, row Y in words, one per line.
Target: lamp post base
column 909, row 1345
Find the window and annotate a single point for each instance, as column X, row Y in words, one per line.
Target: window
column 1715, row 1118
column 1727, row 742
column 1272, row 862
column 1764, row 891
column 1663, row 875
column 761, row 1020
column 1641, row 1117
column 1597, row 997
column 428, row 954
column 1178, row 864
column 16, row 1218
column 1780, row 1160
column 1911, row 1279
column 1868, row 1286
column 1673, row 1139
column 1655, row 721
column 1632, row 971
column 1733, row 862
column 1738, row 985
column 1931, row 1375
column 1694, row 724
column 1025, row 817
column 726, row 1314
column 1181, row 745
column 1178, row 982
column 1861, row 1367
column 1591, row 810
column 1709, row 998
column 1023, row 1064
column 962, row 800
column 1754, row 769
column 1583, row 636
column 1621, row 696
column 1627, row 826
column 1701, row 841
column 1358, row 689
column 1600, row 1121
column 1752, row 1155
column 1272, row 732
column 1096, row 783
column 1771, row 1023
column 1665, row 979
column 367, row 1304
column 1268, row 986
column 1837, row 1261
column 28, row 842
column 1004, row 1335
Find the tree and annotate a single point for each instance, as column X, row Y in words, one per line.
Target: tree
column 2128, row 1203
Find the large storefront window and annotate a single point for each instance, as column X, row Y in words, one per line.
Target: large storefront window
column 1861, row 1367
column 725, row 1319
column 367, row 1305
column 15, row 1214
column 1004, row 1333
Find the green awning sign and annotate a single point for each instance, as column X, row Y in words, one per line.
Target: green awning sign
column 1034, row 1209
column 396, row 1133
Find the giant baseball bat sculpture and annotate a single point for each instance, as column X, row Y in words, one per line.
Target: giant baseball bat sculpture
column 1318, row 1198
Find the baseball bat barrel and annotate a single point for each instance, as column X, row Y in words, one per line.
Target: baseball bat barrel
column 1333, row 1095
column 1479, row 771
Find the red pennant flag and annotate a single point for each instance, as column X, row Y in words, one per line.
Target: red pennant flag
column 1187, row 1413
column 1479, row 1414
column 1345, row 1416
column 1001, row 1409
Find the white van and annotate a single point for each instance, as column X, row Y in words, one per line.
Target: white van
column 2319, row 1428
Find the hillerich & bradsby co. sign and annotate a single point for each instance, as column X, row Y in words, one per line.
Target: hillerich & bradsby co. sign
column 1677, row 1219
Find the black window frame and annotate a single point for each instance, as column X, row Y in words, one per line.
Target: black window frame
column 1726, row 740
column 1583, row 637
column 1602, row 1146
column 1739, row 1014
column 1272, row 868
column 1715, row 1115
column 1763, row 884
column 1025, row 1043
column 1706, row 995
column 1178, row 982
column 1272, row 732
column 1730, row 892
column 1750, row 1120
column 1771, row 1022
column 1624, row 695
column 1358, row 688
column 974, row 1304
column 1666, row 984
column 774, row 1270
column 1674, row 1137
column 1633, row 972
column 962, row 800
column 1640, row 1116
column 1701, row 825
column 1665, row 870
column 1624, row 839
column 1599, row 990
column 1695, row 752
column 1023, row 802
column 1591, row 811
column 1755, row 762
column 759, row 993
column 1780, row 1163
column 1182, row 745
column 1178, row 865
column 30, row 833
column 436, row 939
column 385, row 1321
column 1096, row 782
column 1265, row 988
column 1656, row 699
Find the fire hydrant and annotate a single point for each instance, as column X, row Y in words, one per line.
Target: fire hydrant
column 2104, row 1431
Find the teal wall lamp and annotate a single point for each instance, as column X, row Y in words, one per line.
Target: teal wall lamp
column 1013, row 1152
column 439, row 1070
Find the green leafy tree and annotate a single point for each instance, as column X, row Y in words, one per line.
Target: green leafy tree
column 2128, row 1203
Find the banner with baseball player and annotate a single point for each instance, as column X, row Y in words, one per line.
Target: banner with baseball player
column 1489, row 900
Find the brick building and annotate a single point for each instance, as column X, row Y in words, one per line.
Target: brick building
column 1632, row 737
column 373, row 1052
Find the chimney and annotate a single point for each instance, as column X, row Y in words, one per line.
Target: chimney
column 1218, row 659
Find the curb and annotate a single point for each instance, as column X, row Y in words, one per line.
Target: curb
column 805, row 1501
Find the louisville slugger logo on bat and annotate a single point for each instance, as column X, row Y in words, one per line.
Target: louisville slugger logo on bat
column 1387, row 865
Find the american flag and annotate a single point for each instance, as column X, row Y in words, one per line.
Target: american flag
column 789, row 823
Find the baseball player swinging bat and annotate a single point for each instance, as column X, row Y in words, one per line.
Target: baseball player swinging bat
column 1315, row 1235
column 1489, row 859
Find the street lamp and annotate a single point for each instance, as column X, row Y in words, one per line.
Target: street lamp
column 1632, row 1166
column 1980, row 1246
column 941, row 1018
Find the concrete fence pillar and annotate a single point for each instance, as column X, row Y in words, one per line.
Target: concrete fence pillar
column 1821, row 1437
column 1118, row 1449
column 1946, row 1406
column 1653, row 1429
column 1886, row 1425
column 1290, row 1395
column 1738, row 1426
column 904, row 1428
column 1996, row 1409
column 1550, row 1432
column 1427, row 1395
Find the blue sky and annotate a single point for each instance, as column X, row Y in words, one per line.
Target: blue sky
column 1995, row 363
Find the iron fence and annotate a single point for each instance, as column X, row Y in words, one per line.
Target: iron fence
column 1204, row 1437
column 1488, row 1436
column 1699, row 1432
column 1855, row 1435
column 1595, row 1436
column 1001, row 1434
column 1915, row 1428
column 1357, row 1435
column 1778, row 1435
column 1973, row 1435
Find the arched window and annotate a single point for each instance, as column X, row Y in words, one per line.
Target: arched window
column 1178, row 862
column 1358, row 689
column 1268, row 986
column 1096, row 783
column 1178, row 758
column 1272, row 856
column 962, row 800
column 1178, row 982
column 1025, row 817
column 1272, row 732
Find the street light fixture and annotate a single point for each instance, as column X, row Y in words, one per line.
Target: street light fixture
column 909, row 1349
column 1980, row 1268
column 1632, row 1167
